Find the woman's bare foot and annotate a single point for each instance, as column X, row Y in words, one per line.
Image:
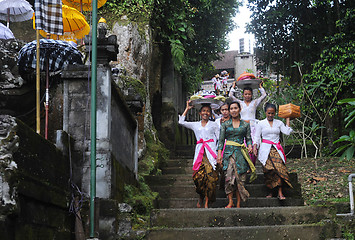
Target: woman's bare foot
column 206, row 202
column 269, row 196
column 281, row 197
column 199, row 203
column 230, row 205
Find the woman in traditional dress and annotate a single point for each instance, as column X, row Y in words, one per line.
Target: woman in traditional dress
column 249, row 107
column 271, row 154
column 233, row 155
column 205, row 175
column 224, row 109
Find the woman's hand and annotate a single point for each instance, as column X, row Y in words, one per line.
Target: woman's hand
column 219, row 157
column 250, row 149
column 188, row 107
column 261, row 84
column 233, row 85
column 255, row 150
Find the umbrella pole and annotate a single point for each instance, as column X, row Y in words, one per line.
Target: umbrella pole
column 38, row 120
column 8, row 18
column 47, row 100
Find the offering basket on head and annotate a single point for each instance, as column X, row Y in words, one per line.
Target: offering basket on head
column 248, row 80
column 206, row 97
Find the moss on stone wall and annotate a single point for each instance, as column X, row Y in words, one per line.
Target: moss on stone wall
column 127, row 83
column 141, row 197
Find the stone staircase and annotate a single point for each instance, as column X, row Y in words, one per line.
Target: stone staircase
column 258, row 218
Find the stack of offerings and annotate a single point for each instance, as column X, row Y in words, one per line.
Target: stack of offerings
column 289, row 111
column 248, row 80
column 207, row 97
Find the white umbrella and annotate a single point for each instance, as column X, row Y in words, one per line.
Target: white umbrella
column 15, row 11
column 5, row 32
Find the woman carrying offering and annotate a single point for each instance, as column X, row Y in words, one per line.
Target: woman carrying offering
column 271, row 153
column 234, row 157
column 249, row 107
column 205, row 175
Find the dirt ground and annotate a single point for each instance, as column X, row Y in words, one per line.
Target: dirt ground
column 323, row 179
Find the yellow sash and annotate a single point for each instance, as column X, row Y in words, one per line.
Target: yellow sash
column 246, row 156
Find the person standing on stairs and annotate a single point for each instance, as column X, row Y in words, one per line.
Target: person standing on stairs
column 225, row 114
column 205, row 175
column 248, row 108
column 233, row 155
column 271, row 154
column 224, row 109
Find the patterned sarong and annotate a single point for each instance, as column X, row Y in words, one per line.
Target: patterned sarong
column 234, row 181
column 275, row 170
column 205, row 179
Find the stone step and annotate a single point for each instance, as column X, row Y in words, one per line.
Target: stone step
column 181, row 168
column 222, row 202
column 304, row 232
column 175, row 179
column 6, row 229
column 177, row 163
column 188, row 191
column 221, row 217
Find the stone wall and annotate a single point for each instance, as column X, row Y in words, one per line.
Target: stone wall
column 34, row 190
column 142, row 59
column 116, row 144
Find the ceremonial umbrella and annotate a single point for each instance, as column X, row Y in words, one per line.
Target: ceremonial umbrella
column 5, row 32
column 74, row 25
column 83, row 5
column 54, row 56
column 15, row 11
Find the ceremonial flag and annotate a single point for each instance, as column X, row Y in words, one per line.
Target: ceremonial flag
column 49, row 16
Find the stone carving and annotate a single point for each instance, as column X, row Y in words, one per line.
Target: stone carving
column 9, row 143
column 16, row 94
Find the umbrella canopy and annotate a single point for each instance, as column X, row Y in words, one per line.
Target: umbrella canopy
column 5, row 32
column 84, row 4
column 58, row 53
column 74, row 25
column 15, row 10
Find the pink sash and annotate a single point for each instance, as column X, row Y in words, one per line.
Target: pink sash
column 202, row 150
column 278, row 146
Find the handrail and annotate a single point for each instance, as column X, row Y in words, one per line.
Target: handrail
column 351, row 195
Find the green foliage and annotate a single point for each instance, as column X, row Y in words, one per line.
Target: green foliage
column 351, row 116
column 287, row 31
column 192, row 32
column 348, row 149
column 136, row 10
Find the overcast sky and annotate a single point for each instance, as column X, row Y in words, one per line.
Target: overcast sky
column 241, row 19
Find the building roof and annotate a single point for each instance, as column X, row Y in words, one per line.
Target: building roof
column 226, row 61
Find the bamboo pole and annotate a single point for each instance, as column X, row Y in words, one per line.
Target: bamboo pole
column 38, row 86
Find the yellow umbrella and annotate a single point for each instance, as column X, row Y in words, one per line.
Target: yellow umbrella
column 84, row 5
column 74, row 25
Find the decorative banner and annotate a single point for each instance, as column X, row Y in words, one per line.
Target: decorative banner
column 49, row 16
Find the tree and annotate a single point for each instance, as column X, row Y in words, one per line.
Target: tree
column 289, row 31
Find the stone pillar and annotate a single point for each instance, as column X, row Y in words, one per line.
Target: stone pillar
column 116, row 128
column 173, row 103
